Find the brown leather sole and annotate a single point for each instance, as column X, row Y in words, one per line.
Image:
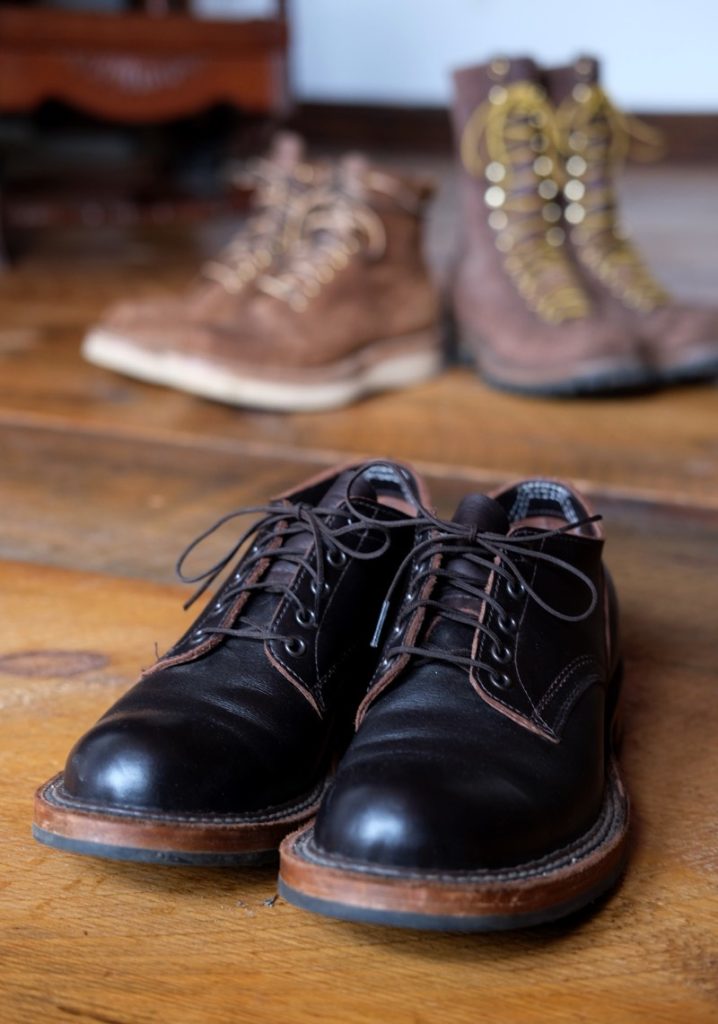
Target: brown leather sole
column 217, row 840
column 527, row 894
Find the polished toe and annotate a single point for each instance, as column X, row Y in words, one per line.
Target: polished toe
column 378, row 823
column 424, row 825
column 149, row 765
column 420, row 798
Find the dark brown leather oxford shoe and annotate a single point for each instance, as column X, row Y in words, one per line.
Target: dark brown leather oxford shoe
column 225, row 744
column 481, row 790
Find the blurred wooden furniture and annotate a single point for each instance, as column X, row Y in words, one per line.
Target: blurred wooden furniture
column 140, row 67
column 150, row 64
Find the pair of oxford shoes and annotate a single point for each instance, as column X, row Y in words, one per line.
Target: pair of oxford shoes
column 464, row 672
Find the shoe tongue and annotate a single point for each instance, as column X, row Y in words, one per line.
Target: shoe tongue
column 262, row 605
column 483, row 513
column 479, row 513
column 361, row 488
column 302, row 540
column 287, row 150
column 353, row 171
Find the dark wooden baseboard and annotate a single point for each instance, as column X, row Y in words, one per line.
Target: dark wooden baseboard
column 688, row 137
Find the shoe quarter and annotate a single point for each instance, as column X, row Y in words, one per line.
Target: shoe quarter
column 544, row 663
column 337, row 651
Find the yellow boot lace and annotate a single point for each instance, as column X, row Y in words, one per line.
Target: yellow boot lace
column 595, row 136
column 332, row 227
column 509, row 141
column 264, row 235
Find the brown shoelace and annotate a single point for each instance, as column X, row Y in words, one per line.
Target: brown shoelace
column 330, row 544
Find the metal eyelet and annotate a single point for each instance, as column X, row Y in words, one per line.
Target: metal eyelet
column 337, row 558
column 500, row 680
column 507, row 624
column 305, row 617
column 198, row 634
column 501, row 655
column 295, row 646
column 515, row 589
column 314, row 587
column 397, row 630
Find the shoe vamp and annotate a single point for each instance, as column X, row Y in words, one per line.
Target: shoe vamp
column 227, row 728
column 468, row 786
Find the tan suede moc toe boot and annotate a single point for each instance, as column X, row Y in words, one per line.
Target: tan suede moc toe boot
column 520, row 305
column 348, row 310
column 134, row 336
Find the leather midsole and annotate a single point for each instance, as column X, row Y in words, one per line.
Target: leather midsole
column 177, row 833
column 555, row 879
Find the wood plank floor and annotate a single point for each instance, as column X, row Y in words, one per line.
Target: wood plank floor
column 103, row 482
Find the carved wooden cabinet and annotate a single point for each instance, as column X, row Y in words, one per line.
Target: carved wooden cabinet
column 149, row 63
column 140, row 67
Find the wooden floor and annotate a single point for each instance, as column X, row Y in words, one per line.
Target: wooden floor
column 103, row 481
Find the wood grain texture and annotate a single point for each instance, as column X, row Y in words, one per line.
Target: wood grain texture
column 94, row 941
column 127, row 507
column 103, row 481
column 454, row 421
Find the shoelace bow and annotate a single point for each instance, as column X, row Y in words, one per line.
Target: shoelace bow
column 493, row 552
column 334, row 227
column 593, row 128
column 280, row 521
column 500, row 135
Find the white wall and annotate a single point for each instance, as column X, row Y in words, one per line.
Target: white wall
column 658, row 54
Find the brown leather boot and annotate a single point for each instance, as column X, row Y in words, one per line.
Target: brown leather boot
column 681, row 341
column 349, row 308
column 519, row 301
column 132, row 334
